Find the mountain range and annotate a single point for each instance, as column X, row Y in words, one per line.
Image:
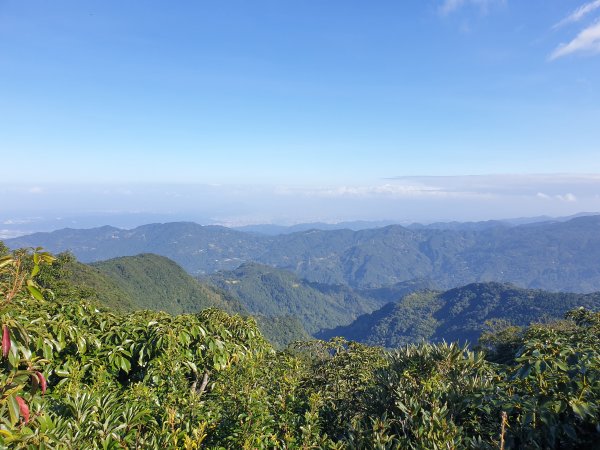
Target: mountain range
column 288, row 308
column 556, row 256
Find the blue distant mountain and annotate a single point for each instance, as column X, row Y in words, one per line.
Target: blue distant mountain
column 553, row 255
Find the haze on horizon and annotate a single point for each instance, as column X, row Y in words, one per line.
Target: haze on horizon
column 276, row 112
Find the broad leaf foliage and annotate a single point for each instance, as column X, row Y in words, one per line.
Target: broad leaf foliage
column 74, row 375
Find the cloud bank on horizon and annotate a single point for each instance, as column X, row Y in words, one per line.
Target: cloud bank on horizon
column 402, row 199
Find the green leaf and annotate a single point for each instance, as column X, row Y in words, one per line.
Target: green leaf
column 35, row 293
column 562, row 365
column 125, row 364
column 582, row 409
column 5, row 261
column 13, row 409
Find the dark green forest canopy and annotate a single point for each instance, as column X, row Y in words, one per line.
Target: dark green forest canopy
column 269, row 291
column 459, row 314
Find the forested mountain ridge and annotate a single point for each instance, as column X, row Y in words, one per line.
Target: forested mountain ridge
column 286, row 307
column 159, row 284
column 151, row 282
column 268, row 291
column 195, row 247
column 69, row 278
column 138, row 282
column 271, row 229
column 557, row 256
column 459, row 314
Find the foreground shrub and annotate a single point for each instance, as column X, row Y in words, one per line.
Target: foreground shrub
column 73, row 375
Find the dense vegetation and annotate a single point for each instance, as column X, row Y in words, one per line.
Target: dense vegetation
column 134, row 282
column 287, row 308
column 151, row 282
column 75, row 376
column 459, row 314
column 158, row 283
column 268, row 291
column 551, row 256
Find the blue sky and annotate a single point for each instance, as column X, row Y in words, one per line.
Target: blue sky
column 336, row 96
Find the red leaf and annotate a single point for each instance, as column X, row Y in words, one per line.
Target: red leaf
column 23, row 408
column 5, row 341
column 43, row 384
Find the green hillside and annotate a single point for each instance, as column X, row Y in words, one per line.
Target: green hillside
column 395, row 292
column 269, row 291
column 157, row 283
column 458, row 314
column 282, row 330
column 135, row 282
column 69, row 278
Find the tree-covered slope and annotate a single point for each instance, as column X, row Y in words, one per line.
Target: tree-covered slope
column 553, row 256
column 151, row 282
column 281, row 331
column 157, row 283
column 69, row 278
column 269, row 291
column 458, row 314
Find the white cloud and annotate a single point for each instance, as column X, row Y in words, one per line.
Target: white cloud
column 570, row 198
column 579, row 13
column 16, row 221
column 587, row 41
column 567, row 198
column 404, row 199
column 543, row 186
column 449, row 6
column 387, row 190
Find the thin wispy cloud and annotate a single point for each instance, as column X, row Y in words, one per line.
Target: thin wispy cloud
column 568, row 197
column 406, row 199
column 389, row 190
column 449, row 6
column 561, row 187
column 579, row 13
column 586, row 42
